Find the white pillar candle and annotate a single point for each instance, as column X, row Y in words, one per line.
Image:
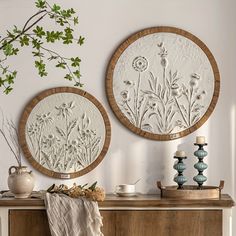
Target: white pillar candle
column 200, row 140
column 180, row 154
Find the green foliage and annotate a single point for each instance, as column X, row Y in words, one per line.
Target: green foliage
column 77, row 74
column 76, row 20
column 36, row 43
column 40, row 4
column 75, row 61
column 39, row 39
column 9, row 50
column 16, row 30
column 24, row 41
column 81, row 40
column 40, row 65
column 68, row 77
column 56, row 9
column 7, row 79
column 68, row 36
column 61, row 65
column 93, row 186
column 39, row 31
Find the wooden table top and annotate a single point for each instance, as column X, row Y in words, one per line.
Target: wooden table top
column 140, row 201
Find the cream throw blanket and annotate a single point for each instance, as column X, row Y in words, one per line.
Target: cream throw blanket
column 72, row 217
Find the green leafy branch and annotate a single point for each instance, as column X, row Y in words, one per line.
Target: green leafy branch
column 38, row 38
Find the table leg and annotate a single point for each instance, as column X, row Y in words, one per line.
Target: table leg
column 4, row 222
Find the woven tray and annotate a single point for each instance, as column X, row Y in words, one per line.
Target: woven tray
column 191, row 191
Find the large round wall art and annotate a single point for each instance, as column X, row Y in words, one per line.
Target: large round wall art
column 162, row 83
column 64, row 132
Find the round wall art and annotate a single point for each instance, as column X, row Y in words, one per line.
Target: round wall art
column 64, row 132
column 162, row 83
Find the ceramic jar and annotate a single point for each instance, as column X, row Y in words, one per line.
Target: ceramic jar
column 20, row 181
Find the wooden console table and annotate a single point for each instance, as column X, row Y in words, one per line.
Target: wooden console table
column 144, row 215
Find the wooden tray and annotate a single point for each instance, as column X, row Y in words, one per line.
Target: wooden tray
column 191, row 191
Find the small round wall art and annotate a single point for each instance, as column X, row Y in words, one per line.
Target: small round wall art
column 162, row 83
column 64, row 132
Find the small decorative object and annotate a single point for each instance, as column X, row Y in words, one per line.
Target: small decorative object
column 125, row 190
column 180, row 179
column 20, row 182
column 200, row 166
column 93, row 192
column 191, row 191
column 39, row 38
column 162, row 83
column 64, row 132
column 180, row 153
column 200, row 140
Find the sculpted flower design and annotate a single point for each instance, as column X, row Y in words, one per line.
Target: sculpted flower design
column 73, row 146
column 65, row 109
column 153, row 105
column 140, row 64
column 194, row 80
column 65, row 146
column 33, row 129
column 195, row 76
column 129, row 83
column 201, row 95
column 175, row 90
column 163, row 54
column 50, row 141
column 125, row 95
column 44, row 119
column 161, row 103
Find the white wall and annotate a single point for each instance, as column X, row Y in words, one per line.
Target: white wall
column 105, row 24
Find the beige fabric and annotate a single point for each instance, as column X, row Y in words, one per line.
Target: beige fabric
column 72, row 217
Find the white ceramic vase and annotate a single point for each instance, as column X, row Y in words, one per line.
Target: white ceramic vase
column 20, row 181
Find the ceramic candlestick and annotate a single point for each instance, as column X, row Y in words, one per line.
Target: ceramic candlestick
column 180, row 179
column 200, row 165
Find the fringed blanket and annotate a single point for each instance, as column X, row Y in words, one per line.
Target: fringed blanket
column 72, row 216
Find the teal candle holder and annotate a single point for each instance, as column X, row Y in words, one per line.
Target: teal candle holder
column 200, row 165
column 180, row 179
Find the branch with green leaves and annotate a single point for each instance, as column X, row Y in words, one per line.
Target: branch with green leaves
column 33, row 35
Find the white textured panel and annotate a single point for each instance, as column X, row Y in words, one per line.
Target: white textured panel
column 163, row 83
column 65, row 132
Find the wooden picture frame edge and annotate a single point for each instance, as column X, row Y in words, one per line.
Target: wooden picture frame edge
column 109, row 82
column 22, row 139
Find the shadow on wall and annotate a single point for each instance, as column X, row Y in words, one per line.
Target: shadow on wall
column 221, row 150
column 159, row 166
column 232, row 144
column 149, row 160
column 233, row 162
column 137, row 158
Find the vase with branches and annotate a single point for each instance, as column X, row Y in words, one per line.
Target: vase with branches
column 9, row 133
column 20, row 181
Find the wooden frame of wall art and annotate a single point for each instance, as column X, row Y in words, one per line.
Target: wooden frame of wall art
column 64, row 132
column 162, row 83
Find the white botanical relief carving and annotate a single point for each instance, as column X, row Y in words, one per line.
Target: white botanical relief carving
column 64, row 141
column 163, row 100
